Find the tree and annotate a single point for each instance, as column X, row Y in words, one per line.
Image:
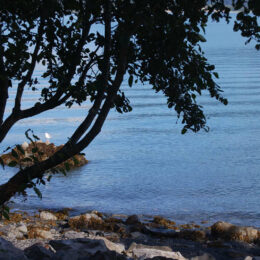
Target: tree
column 88, row 46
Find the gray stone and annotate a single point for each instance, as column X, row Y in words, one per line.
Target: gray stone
column 143, row 251
column 44, row 234
column 38, row 252
column 110, row 255
column 21, row 227
column 9, row 252
column 45, row 215
column 231, row 232
column 83, row 247
column 14, row 233
column 132, row 220
column 203, row 257
column 71, row 234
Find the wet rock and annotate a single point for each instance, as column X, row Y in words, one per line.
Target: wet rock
column 231, row 232
column 195, row 235
column 46, row 149
column 160, row 232
column 144, row 251
column 107, row 256
column 163, row 222
column 13, row 233
column 138, row 235
column 83, row 248
column 9, row 252
column 22, row 228
column 88, row 220
column 218, row 244
column 71, row 234
column 132, row 220
column 45, row 215
column 203, row 257
column 235, row 254
column 35, row 232
column 38, row 252
column 90, row 216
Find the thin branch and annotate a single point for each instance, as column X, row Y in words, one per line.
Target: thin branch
column 28, row 76
column 105, row 76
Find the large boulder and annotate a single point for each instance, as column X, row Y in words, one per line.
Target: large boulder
column 40, row 233
column 38, row 252
column 41, row 151
column 9, row 252
column 132, row 220
column 84, row 248
column 143, row 252
column 46, row 215
column 229, row 231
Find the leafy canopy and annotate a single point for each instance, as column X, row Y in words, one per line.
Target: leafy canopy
column 87, row 47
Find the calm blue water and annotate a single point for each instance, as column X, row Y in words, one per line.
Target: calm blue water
column 140, row 163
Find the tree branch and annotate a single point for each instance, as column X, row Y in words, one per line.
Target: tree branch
column 28, row 76
column 105, row 76
column 8, row 189
column 3, row 82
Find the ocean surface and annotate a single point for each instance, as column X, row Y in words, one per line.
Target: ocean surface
column 141, row 163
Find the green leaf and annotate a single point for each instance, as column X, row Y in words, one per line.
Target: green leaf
column 2, row 162
column 130, row 80
column 67, row 166
column 12, row 164
column 6, row 215
column 38, row 192
column 20, row 148
column 216, row 74
column 14, row 154
column 76, row 161
column 35, row 150
column 8, row 148
column 202, row 38
column 183, row 131
column 27, row 159
column 63, row 171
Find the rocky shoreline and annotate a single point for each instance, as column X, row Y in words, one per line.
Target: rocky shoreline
column 93, row 235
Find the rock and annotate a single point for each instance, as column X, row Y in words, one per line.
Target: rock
column 38, row 252
column 110, row 255
column 9, row 252
column 203, row 257
column 163, row 222
column 117, row 247
column 132, row 220
column 235, row 254
column 195, row 235
column 22, row 228
column 231, row 232
column 138, row 235
column 14, row 233
column 144, row 251
column 83, row 248
column 36, row 232
column 45, row 215
column 90, row 216
column 71, row 234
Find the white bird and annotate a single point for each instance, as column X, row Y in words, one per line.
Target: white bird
column 25, row 145
column 48, row 136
